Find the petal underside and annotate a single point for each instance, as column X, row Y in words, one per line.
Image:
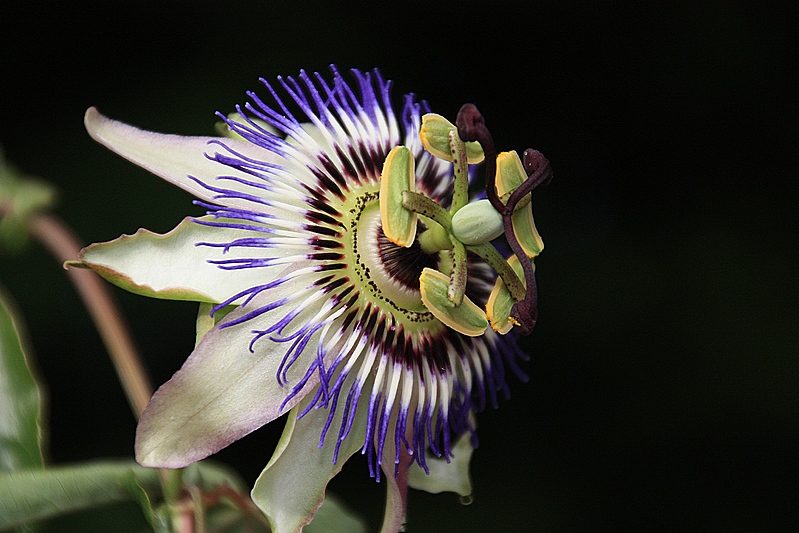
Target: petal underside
column 394, row 513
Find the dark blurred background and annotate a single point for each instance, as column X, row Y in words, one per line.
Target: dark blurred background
column 663, row 371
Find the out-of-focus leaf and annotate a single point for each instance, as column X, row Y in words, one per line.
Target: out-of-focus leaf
column 209, row 478
column 225, row 512
column 228, row 519
column 162, row 520
column 208, row 475
column 132, row 486
column 20, row 196
column 27, row 496
column 21, row 397
column 119, row 517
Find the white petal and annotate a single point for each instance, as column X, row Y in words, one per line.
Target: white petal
column 173, row 267
column 222, row 392
column 174, row 157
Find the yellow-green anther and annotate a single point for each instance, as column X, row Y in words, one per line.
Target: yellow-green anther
column 460, row 195
column 521, row 203
column 465, row 318
column 500, row 302
column 457, row 279
column 434, row 134
column 399, row 223
column 511, row 174
column 477, row 223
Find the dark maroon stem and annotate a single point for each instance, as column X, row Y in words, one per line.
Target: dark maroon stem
column 471, row 127
column 539, row 172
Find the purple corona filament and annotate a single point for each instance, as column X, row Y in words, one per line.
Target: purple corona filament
column 329, row 141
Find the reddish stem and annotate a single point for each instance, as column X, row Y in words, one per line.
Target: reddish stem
column 63, row 244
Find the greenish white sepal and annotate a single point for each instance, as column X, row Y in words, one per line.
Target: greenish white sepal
column 172, row 266
column 449, row 474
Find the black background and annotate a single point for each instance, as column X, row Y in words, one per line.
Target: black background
column 663, row 372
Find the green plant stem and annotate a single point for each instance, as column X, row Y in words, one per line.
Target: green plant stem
column 63, row 244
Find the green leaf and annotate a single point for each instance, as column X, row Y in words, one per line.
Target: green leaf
column 204, row 476
column 229, row 519
column 131, row 484
column 208, row 475
column 30, row 495
column 21, row 397
column 222, row 510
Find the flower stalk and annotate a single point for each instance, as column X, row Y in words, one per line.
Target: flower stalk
column 62, row 243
